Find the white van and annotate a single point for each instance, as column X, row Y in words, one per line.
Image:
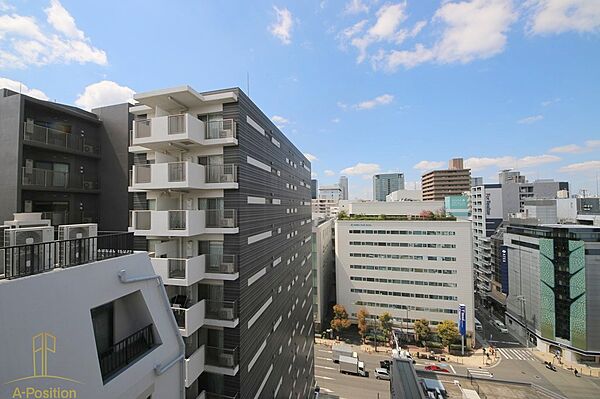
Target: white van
column 478, row 325
column 501, row 326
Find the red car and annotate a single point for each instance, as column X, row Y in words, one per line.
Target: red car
column 433, row 367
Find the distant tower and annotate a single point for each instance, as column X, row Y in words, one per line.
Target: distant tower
column 344, row 186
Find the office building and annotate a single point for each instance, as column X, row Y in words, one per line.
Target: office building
column 486, row 216
column 344, row 187
column 92, row 321
column 223, row 199
column 580, row 210
column 439, row 184
column 399, row 262
column 386, row 183
column 324, row 208
column 314, row 188
column 553, row 296
column 330, row 192
column 323, row 267
column 65, row 162
column 458, row 206
column 476, row 181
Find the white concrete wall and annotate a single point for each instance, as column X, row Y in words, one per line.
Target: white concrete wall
column 323, row 265
column 394, row 208
column 59, row 302
column 399, row 195
column 463, row 278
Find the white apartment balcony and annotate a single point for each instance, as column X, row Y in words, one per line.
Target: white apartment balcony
column 222, row 314
column 185, row 130
column 185, row 272
column 189, row 317
column 183, row 223
column 194, row 366
column 222, row 360
column 183, row 175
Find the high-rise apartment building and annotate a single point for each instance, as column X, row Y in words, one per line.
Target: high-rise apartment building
column 65, row 162
column 223, row 199
column 386, row 183
column 553, row 299
column 344, row 187
column 86, row 317
column 314, row 188
column 438, row 184
column 400, row 263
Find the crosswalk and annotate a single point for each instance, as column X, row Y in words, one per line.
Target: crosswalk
column 480, row 373
column 516, row 354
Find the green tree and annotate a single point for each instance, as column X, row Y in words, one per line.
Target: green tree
column 447, row 331
column 342, row 215
column 422, row 329
column 362, row 322
column 385, row 320
column 340, row 318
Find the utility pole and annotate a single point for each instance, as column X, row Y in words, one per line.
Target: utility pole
column 407, row 325
column 523, row 301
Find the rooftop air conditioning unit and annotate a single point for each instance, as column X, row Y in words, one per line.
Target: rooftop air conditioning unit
column 227, row 360
column 77, row 246
column 29, row 128
column 21, row 258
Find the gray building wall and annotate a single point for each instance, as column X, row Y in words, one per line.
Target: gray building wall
column 314, row 188
column 11, row 109
column 386, row 183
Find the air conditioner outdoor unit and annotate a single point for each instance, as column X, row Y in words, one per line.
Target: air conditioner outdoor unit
column 224, row 133
column 74, row 252
column 227, row 360
column 226, row 313
column 227, row 178
column 228, row 268
column 24, row 260
column 29, row 126
column 228, row 223
column 88, row 148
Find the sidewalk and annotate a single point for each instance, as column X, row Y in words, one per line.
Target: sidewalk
column 581, row 368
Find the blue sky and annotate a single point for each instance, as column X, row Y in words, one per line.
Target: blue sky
column 361, row 85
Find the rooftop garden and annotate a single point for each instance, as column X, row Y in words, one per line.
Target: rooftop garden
column 424, row 215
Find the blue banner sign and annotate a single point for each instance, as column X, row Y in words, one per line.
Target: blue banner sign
column 462, row 319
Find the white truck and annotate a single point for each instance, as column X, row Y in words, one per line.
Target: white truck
column 338, row 350
column 351, row 365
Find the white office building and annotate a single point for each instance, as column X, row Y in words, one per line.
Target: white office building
column 409, row 267
column 85, row 318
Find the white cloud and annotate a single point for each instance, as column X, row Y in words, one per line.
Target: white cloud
column 336, row 120
column 530, row 119
column 356, row 7
column 104, row 93
column 4, row 6
column 550, row 102
column 474, row 29
column 24, row 41
column 558, row 16
column 310, row 157
column 361, row 169
column 377, row 101
column 20, row 87
column 282, row 28
column 580, row 167
column 280, row 121
column 329, row 173
column 506, row 162
column 313, row 175
column 589, row 145
column 428, row 165
column 342, row 105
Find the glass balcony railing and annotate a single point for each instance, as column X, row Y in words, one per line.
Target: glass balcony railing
column 57, row 138
column 221, row 310
column 226, row 173
column 221, row 357
column 142, row 128
column 177, row 220
column 220, row 129
column 34, row 177
column 221, row 218
column 176, row 124
column 177, row 171
column 143, row 173
column 221, row 264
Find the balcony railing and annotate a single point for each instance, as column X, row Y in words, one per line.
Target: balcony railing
column 143, row 128
column 177, row 220
column 176, row 268
column 57, row 138
column 222, row 264
column 210, row 395
column 29, row 259
column 58, row 218
column 177, row 171
column 177, row 124
column 142, row 220
column 125, row 352
column 34, row 177
column 143, row 173
column 221, row 218
column 221, row 310
column 221, row 357
column 220, row 129
column 221, row 173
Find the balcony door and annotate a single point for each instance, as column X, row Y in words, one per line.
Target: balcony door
column 56, row 174
column 214, row 123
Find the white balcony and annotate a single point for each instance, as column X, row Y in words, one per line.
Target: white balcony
column 221, row 314
column 189, row 317
column 183, row 175
column 180, row 272
column 183, row 223
column 186, row 130
column 194, row 366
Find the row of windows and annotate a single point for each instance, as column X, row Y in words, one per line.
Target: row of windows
column 404, row 307
column 403, row 269
column 409, row 282
column 397, row 320
column 406, row 257
column 406, row 232
column 404, row 294
column 401, row 244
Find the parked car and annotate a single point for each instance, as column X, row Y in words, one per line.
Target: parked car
column 382, row 374
column 500, row 326
column 478, row 325
column 385, row 364
column 434, row 367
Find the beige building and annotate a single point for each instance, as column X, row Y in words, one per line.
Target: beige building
column 438, row 184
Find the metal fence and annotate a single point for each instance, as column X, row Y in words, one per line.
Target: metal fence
column 125, row 352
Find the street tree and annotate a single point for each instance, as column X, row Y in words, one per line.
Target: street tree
column 448, row 332
column 385, row 319
column 340, row 318
column 362, row 322
column 422, row 329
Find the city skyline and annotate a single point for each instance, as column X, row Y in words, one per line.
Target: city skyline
column 417, row 70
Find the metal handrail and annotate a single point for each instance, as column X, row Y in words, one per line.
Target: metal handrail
column 142, row 128
column 221, row 310
column 58, row 138
column 221, row 357
column 221, row 218
column 222, row 264
column 126, row 351
column 50, row 178
column 226, row 173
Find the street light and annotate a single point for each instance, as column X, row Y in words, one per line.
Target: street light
column 523, row 300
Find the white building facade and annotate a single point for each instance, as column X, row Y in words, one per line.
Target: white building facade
column 323, row 263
